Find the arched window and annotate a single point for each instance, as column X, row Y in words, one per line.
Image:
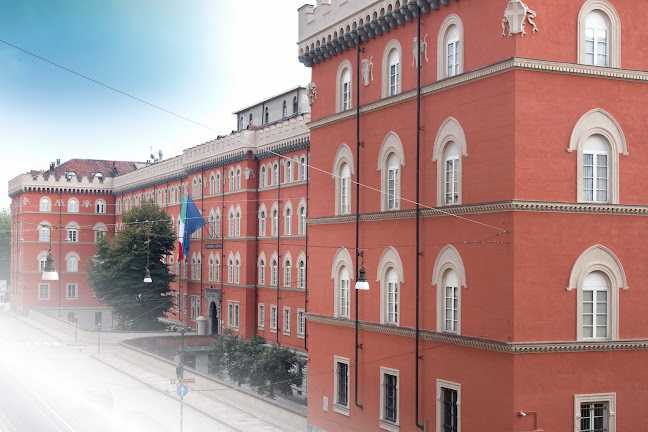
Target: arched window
column 217, row 226
column 302, row 166
column 345, row 189
column 211, row 269
column 275, row 173
column 598, row 140
column 449, row 147
column 100, row 230
column 232, row 181
column 275, row 222
column 344, row 287
column 212, row 225
column 262, row 223
column 193, row 268
column 449, row 277
column 289, row 173
column 238, row 271
column 72, row 230
column 597, row 276
column 302, row 220
column 238, row 224
column 238, row 179
column 391, row 299
column 341, row 274
column 194, row 189
column 267, row 115
column 241, row 123
column 302, row 274
column 274, row 275
column 100, row 206
column 250, row 123
column 218, row 183
column 393, row 182
column 217, row 270
column 44, row 233
column 262, row 272
column 72, row 264
column 294, row 104
column 287, row 273
column 288, row 225
column 346, row 90
column 284, row 110
column 230, row 272
column 231, row 224
column 450, row 57
column 73, row 205
column 390, row 159
column 391, row 69
column 212, row 184
column 263, row 176
column 45, row 204
column 343, row 86
column 599, row 34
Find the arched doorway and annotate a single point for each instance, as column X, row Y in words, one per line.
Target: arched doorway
column 213, row 313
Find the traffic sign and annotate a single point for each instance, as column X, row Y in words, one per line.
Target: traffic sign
column 183, row 380
column 182, row 390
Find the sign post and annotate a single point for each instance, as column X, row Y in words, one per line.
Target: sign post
column 182, row 392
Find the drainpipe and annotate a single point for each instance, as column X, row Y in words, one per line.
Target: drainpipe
column 306, row 235
column 418, row 210
column 202, row 238
column 359, row 41
column 256, row 252
column 278, row 240
column 60, row 248
column 222, row 260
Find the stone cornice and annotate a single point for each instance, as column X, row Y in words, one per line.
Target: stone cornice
column 514, row 63
column 486, row 344
column 496, row 207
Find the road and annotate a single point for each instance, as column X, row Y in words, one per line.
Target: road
column 46, row 386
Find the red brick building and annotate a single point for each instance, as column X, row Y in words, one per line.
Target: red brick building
column 499, row 215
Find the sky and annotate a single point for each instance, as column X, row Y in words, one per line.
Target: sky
column 201, row 59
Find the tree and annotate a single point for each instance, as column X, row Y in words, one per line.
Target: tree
column 5, row 244
column 116, row 271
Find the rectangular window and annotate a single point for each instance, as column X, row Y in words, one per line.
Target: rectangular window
column 595, row 177
column 72, row 291
column 193, row 307
column 72, row 235
column 273, row 318
column 389, row 398
column 230, row 314
column 451, row 182
column 392, row 189
column 344, row 298
column 392, row 302
column 451, row 308
column 453, row 57
column 346, row 96
column 44, row 234
column 43, row 291
column 236, row 314
column 286, row 321
column 261, row 316
column 301, row 322
column 184, row 303
column 341, row 383
column 595, row 412
column 596, row 47
column 595, row 313
column 448, row 406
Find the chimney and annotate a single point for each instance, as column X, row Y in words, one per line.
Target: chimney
column 51, row 166
column 58, row 162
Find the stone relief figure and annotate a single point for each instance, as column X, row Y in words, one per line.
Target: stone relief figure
column 367, row 71
column 515, row 15
column 423, row 49
column 311, row 88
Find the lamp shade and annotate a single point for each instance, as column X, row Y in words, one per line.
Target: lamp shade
column 147, row 276
column 362, row 283
column 49, row 272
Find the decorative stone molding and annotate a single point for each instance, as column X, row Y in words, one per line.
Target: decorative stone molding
column 311, row 88
column 504, row 206
column 515, row 15
column 450, row 131
column 515, row 63
column 423, row 49
column 486, row 344
column 367, row 71
column 442, row 55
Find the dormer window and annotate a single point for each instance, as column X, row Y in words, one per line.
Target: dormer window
column 69, row 175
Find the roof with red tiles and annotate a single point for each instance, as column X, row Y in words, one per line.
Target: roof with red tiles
column 90, row 167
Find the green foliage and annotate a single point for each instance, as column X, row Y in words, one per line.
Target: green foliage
column 5, row 244
column 116, row 272
column 266, row 368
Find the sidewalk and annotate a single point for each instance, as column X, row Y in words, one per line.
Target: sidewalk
column 230, row 416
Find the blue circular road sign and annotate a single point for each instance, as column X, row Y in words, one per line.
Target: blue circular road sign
column 182, row 390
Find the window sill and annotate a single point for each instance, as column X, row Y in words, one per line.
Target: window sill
column 388, row 426
column 340, row 409
column 286, row 333
column 301, row 336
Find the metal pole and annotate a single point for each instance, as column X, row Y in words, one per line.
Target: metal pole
column 181, row 411
column 182, row 332
column 99, row 338
column 76, row 328
column 359, row 41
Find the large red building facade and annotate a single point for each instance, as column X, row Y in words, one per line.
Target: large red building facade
column 498, row 216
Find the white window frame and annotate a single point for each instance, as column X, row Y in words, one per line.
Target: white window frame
column 390, row 199
column 343, row 93
column 286, row 321
column 389, row 425
column 40, row 292
column 301, row 323
column 343, row 157
column 73, row 205
column 451, row 22
column 337, row 406
column 450, row 133
column 72, row 264
column 447, row 260
column 261, row 316
column 607, row 398
column 614, row 31
column 75, row 295
column 392, row 69
column 440, row 385
column 390, row 260
column 45, row 205
column 44, row 233
column 273, row 318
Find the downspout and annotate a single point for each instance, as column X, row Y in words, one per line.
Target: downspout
column 222, row 260
column 306, row 246
column 202, row 237
column 256, row 253
column 418, row 210
column 357, row 211
column 279, row 316
column 60, row 249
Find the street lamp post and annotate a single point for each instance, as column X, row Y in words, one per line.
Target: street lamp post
column 76, row 328
column 99, row 338
column 182, row 333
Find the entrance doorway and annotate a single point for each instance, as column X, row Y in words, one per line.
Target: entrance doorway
column 213, row 313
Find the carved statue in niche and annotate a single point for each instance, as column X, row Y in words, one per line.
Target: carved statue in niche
column 423, row 49
column 367, row 71
column 515, row 15
column 312, row 92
